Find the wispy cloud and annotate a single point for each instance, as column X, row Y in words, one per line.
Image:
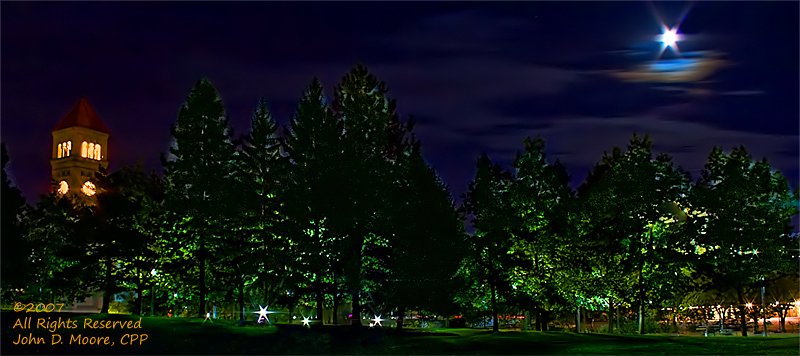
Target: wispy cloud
column 578, row 142
column 685, row 70
column 744, row 92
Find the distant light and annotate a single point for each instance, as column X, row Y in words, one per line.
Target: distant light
column 153, row 272
column 749, row 305
column 262, row 313
column 377, row 320
column 305, row 322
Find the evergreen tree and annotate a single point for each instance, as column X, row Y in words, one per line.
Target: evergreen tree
column 260, row 172
column 198, row 170
column 489, row 262
column 316, row 191
column 426, row 244
column 373, row 138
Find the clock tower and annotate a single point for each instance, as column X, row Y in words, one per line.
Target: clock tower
column 80, row 147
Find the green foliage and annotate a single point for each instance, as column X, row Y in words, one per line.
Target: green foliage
column 201, row 192
column 16, row 249
column 342, row 207
column 488, row 261
column 632, row 227
column 373, row 140
column 739, row 216
column 538, row 197
column 427, row 236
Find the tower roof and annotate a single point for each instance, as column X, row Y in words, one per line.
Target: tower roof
column 82, row 115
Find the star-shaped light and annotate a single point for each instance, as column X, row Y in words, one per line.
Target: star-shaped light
column 669, row 34
column 305, row 322
column 669, row 37
column 376, row 321
column 262, row 313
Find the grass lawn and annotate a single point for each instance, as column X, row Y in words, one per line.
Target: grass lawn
column 192, row 336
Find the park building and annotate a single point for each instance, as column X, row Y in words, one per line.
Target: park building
column 80, row 148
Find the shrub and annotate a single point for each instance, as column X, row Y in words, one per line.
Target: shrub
column 666, row 328
column 631, row 326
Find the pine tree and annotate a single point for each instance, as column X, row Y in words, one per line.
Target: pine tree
column 199, row 171
column 373, row 138
column 426, row 243
column 488, row 261
column 316, row 189
column 260, row 172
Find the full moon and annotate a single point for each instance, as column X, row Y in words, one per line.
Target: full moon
column 669, row 38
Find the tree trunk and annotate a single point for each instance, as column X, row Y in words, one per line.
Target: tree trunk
column 335, row 316
column 755, row 325
column 578, row 320
column 201, row 312
column 241, row 298
column 545, row 319
column 674, row 320
column 266, row 292
column 356, row 321
column 610, row 318
column 742, row 312
column 139, row 294
column 495, row 324
column 641, row 316
column 320, row 302
column 401, row 317
column 527, row 320
column 535, row 319
column 107, row 293
column 641, row 288
column 782, row 315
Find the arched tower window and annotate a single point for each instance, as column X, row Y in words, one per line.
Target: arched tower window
column 64, row 149
column 90, row 150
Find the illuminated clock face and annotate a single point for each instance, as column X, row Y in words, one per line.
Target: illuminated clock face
column 63, row 187
column 88, row 188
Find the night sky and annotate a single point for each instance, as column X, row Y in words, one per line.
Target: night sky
column 477, row 77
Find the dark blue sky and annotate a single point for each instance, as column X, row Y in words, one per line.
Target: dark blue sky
column 476, row 76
